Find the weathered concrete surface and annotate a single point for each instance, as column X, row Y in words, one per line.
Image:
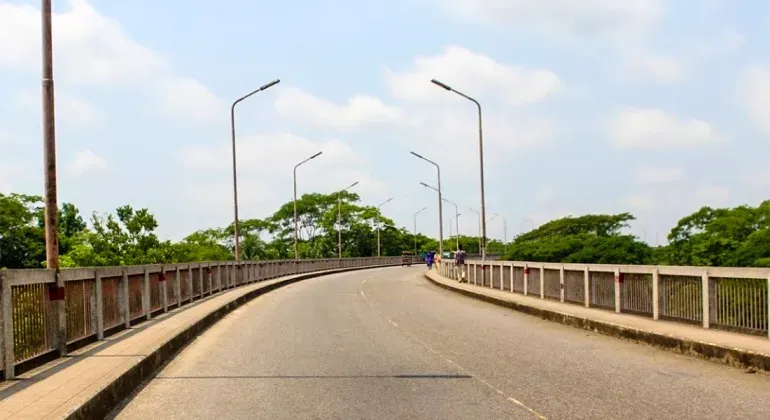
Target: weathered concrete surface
column 737, row 350
column 389, row 344
column 93, row 380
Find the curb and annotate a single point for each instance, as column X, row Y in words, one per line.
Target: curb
column 109, row 397
column 730, row 356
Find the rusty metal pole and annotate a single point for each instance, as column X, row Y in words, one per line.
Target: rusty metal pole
column 49, row 165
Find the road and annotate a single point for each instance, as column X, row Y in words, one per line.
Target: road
column 386, row 344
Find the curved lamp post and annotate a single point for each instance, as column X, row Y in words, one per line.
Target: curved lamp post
column 296, row 226
column 415, row 227
column 339, row 218
column 379, row 253
column 235, row 170
column 481, row 166
column 440, row 207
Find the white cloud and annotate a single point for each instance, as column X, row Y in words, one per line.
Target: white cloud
column 649, row 175
column 360, row 110
column 546, row 194
column 663, row 69
column 189, row 98
column 474, row 74
column 640, row 128
column 711, row 195
column 560, row 17
column 266, row 162
column 91, row 49
column 754, row 92
column 69, row 109
column 86, row 161
column 641, row 202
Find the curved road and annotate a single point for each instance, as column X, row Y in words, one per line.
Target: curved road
column 387, row 344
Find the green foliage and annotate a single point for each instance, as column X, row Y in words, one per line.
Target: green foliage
column 585, row 239
column 722, row 237
column 716, row 237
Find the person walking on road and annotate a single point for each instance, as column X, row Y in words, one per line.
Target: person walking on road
column 460, row 263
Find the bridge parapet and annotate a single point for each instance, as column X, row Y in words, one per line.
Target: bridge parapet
column 728, row 298
column 43, row 315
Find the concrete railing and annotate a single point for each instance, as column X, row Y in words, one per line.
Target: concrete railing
column 43, row 315
column 735, row 299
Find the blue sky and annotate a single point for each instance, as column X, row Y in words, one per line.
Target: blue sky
column 655, row 107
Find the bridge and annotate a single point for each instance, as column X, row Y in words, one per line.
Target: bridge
column 367, row 338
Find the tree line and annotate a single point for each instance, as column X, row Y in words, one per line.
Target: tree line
column 715, row 237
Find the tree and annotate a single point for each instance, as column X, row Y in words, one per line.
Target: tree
column 22, row 243
column 584, row 239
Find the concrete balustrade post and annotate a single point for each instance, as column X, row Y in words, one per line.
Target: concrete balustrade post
column 655, row 294
column 768, row 307
column 190, row 281
column 200, row 280
column 6, row 337
column 219, row 277
column 164, row 289
column 705, row 289
column 210, row 279
column 542, row 281
column 146, row 294
column 99, row 305
column 513, row 266
column 125, row 308
column 587, row 287
column 473, row 267
column 526, row 279
column 618, row 280
column 177, row 287
column 502, row 274
column 561, row 284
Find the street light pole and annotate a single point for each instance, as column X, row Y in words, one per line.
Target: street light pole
column 415, row 228
column 379, row 253
column 440, row 207
column 339, row 218
column 481, row 167
column 479, row 214
column 296, row 227
column 457, row 223
column 457, row 229
column 457, row 214
column 235, row 171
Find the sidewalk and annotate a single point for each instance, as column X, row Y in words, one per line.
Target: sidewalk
column 738, row 350
column 88, row 383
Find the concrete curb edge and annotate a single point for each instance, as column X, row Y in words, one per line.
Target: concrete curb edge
column 109, row 397
column 730, row 356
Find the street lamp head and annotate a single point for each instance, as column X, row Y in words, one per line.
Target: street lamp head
column 316, row 155
column 352, row 185
column 424, row 208
column 439, row 84
column 419, row 156
column 271, row 84
column 425, row 185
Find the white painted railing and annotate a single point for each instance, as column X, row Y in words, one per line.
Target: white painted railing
column 41, row 313
column 735, row 299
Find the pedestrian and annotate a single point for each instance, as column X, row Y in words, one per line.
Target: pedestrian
column 460, row 263
column 429, row 259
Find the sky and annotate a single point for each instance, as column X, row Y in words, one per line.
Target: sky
column 654, row 107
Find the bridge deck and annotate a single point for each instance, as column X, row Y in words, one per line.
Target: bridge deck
column 388, row 344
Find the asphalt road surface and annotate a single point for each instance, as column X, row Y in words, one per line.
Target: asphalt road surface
column 386, row 344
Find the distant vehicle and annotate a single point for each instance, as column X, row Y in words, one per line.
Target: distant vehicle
column 406, row 258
